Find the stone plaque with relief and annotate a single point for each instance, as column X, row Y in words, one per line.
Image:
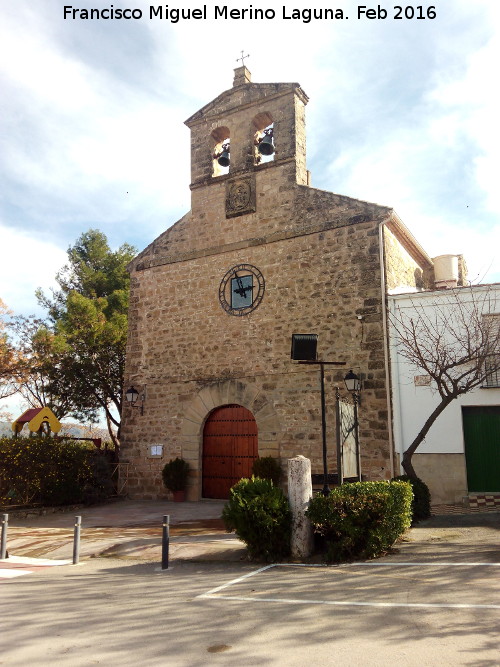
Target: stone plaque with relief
column 240, row 197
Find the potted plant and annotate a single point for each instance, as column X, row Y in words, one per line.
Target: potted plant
column 175, row 475
column 267, row 467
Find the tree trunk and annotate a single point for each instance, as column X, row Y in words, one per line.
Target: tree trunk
column 112, row 435
column 407, row 455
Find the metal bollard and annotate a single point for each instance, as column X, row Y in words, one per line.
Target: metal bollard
column 5, row 525
column 165, row 542
column 76, row 540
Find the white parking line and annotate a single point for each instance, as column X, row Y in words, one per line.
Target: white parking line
column 10, row 574
column 12, row 566
column 237, row 581
column 352, row 604
column 25, row 560
column 437, row 564
column 214, row 592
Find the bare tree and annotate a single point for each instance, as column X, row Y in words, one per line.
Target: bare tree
column 10, row 359
column 456, row 341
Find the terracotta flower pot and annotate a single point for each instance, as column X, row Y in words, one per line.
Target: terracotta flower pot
column 179, row 496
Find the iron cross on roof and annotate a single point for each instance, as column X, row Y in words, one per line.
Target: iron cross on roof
column 243, row 58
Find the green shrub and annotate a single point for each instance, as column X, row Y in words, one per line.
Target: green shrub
column 361, row 520
column 175, row 474
column 101, row 485
column 52, row 471
column 267, row 467
column 260, row 514
column 421, row 504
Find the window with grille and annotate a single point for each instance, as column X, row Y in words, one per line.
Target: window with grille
column 492, row 362
column 492, row 366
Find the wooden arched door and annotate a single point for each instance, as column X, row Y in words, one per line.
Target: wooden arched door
column 229, row 449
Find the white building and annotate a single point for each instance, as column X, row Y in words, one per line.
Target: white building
column 461, row 453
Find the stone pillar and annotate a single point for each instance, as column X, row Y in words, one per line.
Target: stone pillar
column 241, row 75
column 299, row 495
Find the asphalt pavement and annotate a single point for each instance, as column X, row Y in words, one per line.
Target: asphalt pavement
column 434, row 600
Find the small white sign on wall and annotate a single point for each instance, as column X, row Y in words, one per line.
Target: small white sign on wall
column 422, row 380
column 156, row 450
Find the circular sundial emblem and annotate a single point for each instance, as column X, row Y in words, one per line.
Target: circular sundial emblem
column 241, row 290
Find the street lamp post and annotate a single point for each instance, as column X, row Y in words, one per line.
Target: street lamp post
column 353, row 385
column 326, row 489
column 304, row 348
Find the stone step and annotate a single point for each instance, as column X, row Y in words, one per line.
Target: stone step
column 479, row 500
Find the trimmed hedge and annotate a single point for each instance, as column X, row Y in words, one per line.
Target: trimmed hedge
column 52, row 471
column 260, row 514
column 421, row 504
column 361, row 520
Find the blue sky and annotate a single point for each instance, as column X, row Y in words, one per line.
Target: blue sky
column 402, row 113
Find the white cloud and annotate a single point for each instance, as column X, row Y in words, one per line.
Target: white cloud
column 26, row 263
column 437, row 163
column 468, row 106
column 401, row 113
column 87, row 146
column 30, row 61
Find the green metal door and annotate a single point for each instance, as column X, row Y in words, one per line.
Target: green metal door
column 482, row 447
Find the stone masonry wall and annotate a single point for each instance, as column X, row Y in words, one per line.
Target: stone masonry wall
column 320, row 257
column 182, row 343
column 403, row 271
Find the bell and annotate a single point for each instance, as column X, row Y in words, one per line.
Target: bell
column 266, row 146
column 223, row 159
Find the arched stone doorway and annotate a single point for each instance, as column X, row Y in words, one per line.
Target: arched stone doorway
column 230, row 446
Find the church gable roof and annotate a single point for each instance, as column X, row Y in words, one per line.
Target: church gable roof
column 316, row 211
column 239, row 96
column 176, row 232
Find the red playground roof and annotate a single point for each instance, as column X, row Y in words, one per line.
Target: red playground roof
column 28, row 415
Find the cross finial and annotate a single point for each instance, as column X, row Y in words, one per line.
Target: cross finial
column 243, row 58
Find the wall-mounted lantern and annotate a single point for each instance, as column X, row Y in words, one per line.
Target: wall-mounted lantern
column 132, row 396
column 352, row 382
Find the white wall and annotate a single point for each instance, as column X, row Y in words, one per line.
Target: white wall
column 413, row 404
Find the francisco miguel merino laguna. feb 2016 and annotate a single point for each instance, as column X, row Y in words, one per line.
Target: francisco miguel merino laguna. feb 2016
column 176, row 14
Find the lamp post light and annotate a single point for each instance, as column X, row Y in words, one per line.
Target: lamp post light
column 352, row 382
column 132, row 396
column 353, row 386
column 304, row 351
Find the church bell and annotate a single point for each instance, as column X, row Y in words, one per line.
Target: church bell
column 223, row 158
column 266, row 145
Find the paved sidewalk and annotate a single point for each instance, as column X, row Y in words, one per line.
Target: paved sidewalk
column 128, row 529
column 133, row 530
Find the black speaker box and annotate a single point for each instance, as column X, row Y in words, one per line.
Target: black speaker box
column 304, row 347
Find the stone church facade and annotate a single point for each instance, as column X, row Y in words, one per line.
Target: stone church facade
column 215, row 300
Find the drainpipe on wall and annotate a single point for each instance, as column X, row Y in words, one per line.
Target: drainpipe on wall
column 386, row 345
column 396, row 393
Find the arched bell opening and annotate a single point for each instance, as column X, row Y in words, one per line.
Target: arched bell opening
column 264, row 149
column 230, row 446
column 221, row 151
